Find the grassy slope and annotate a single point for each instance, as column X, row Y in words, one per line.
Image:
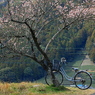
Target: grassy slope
column 25, row 88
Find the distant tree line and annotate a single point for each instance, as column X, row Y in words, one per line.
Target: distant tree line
column 17, row 70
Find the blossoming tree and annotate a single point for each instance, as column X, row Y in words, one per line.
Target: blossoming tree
column 25, row 25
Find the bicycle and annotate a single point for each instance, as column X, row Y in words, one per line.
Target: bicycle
column 82, row 79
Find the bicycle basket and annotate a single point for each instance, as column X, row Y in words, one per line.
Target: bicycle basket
column 56, row 65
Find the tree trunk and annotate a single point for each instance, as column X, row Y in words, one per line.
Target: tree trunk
column 54, row 79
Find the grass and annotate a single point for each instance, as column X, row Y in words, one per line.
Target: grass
column 28, row 88
column 88, row 67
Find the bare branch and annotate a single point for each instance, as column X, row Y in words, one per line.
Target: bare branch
column 65, row 27
column 54, row 36
column 37, row 44
column 20, row 52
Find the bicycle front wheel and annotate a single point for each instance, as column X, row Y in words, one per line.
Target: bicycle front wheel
column 58, row 77
column 83, row 80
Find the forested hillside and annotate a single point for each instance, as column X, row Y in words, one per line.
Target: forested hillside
column 76, row 38
column 16, row 68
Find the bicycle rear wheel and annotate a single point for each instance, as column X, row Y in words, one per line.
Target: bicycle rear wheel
column 58, row 77
column 83, row 80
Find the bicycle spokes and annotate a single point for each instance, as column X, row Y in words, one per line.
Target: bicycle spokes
column 83, row 80
column 58, row 78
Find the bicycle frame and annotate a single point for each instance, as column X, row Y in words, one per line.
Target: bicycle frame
column 81, row 79
column 71, row 79
column 65, row 75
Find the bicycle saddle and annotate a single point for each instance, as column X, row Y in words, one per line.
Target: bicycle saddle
column 75, row 69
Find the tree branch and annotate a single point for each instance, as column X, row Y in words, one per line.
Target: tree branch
column 37, row 44
column 33, row 36
column 53, row 38
column 65, row 27
column 20, row 52
column 17, row 21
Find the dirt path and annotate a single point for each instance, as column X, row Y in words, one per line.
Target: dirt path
column 87, row 61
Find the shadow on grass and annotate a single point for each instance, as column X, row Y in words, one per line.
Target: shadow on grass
column 53, row 89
